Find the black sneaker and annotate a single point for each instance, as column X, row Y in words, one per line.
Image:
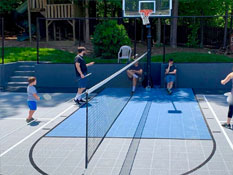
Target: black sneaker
column 82, row 101
column 169, row 91
column 29, row 120
column 226, row 125
column 77, row 101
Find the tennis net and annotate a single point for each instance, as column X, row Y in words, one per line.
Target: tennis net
column 102, row 111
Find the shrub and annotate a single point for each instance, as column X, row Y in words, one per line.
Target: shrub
column 108, row 38
column 193, row 36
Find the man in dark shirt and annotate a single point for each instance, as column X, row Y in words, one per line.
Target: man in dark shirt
column 81, row 70
column 170, row 75
column 134, row 72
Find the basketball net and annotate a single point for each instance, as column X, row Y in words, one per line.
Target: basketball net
column 145, row 14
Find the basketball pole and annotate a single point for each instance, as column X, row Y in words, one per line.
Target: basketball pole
column 148, row 55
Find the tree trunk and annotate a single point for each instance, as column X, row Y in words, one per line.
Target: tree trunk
column 231, row 29
column 158, row 31
column 87, row 27
column 173, row 34
column 92, row 5
column 225, row 28
column 202, row 30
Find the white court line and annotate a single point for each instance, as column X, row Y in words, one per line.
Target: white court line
column 21, row 126
column 5, row 152
column 224, row 121
column 16, row 130
column 13, row 118
column 216, row 118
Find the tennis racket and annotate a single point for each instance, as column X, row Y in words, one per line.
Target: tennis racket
column 229, row 98
column 227, row 94
column 87, row 75
column 47, row 97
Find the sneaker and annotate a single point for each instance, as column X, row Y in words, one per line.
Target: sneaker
column 169, row 91
column 29, row 120
column 226, row 125
column 77, row 102
column 82, row 100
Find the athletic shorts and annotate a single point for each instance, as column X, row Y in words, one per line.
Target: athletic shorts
column 139, row 76
column 82, row 83
column 32, row 105
column 170, row 78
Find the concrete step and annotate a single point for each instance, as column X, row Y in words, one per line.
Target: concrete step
column 16, row 88
column 26, row 68
column 17, row 84
column 19, row 78
column 24, row 73
column 32, row 63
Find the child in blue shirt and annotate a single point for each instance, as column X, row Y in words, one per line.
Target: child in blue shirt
column 32, row 98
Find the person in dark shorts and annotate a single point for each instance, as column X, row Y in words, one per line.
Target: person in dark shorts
column 81, row 71
column 134, row 73
column 32, row 98
column 230, row 110
column 170, row 72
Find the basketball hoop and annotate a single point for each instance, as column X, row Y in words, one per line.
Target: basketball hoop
column 145, row 14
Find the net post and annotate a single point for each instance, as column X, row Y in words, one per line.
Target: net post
column 86, row 148
column 148, row 55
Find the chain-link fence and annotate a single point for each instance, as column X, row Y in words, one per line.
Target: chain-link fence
column 56, row 40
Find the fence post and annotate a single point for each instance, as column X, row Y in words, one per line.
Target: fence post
column 3, row 39
column 79, row 32
column 231, row 23
column 225, row 30
column 37, row 40
column 164, row 35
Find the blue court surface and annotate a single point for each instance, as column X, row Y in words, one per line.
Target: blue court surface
column 175, row 116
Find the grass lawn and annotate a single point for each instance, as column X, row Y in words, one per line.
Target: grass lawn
column 13, row 54
column 184, row 57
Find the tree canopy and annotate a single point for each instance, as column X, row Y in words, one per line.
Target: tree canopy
column 7, row 6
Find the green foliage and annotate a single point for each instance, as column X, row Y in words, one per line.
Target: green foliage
column 193, row 57
column 7, row 6
column 112, row 6
column 108, row 38
column 206, row 8
column 192, row 37
column 13, row 54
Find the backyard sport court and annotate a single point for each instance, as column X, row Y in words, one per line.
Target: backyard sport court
column 155, row 133
column 117, row 131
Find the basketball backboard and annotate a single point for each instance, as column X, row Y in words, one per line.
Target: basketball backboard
column 131, row 8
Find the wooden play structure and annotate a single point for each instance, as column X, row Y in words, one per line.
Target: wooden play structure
column 52, row 12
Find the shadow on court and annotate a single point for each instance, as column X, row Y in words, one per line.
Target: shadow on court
column 15, row 104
